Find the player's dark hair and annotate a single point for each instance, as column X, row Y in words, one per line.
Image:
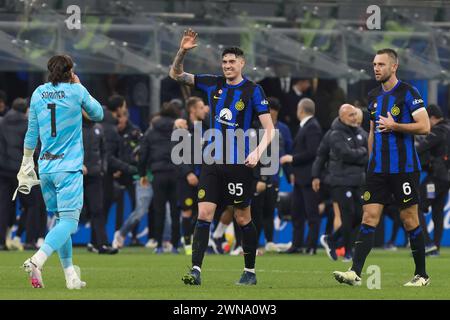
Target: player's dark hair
column 115, row 102
column 169, row 110
column 20, row 104
column 191, row 102
column 434, row 111
column 390, row 52
column 274, row 103
column 59, row 67
column 233, row 50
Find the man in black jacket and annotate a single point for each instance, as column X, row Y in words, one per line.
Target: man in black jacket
column 130, row 135
column 94, row 168
column 433, row 150
column 155, row 154
column 13, row 127
column 348, row 159
column 305, row 204
column 116, row 167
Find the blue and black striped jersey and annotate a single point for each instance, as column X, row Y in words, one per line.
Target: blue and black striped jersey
column 232, row 107
column 394, row 152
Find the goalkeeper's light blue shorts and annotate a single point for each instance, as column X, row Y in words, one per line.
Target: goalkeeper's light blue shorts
column 63, row 191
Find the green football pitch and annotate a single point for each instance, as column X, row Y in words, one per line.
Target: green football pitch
column 137, row 273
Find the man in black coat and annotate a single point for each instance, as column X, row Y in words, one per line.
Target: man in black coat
column 13, row 127
column 305, row 202
column 155, row 154
column 347, row 165
column 433, row 151
column 94, row 168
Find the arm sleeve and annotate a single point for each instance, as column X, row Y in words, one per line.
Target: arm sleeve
column 203, row 81
column 322, row 156
column 259, row 101
column 31, row 137
column 91, row 106
column 340, row 147
column 414, row 101
column 144, row 154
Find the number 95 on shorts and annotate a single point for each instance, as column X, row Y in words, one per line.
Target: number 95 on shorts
column 382, row 188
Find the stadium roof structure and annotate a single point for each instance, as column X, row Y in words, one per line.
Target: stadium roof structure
column 297, row 38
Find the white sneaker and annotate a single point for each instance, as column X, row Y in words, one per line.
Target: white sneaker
column 74, row 282
column 271, row 247
column 34, row 273
column 118, row 240
column 151, row 244
column 15, row 244
column 348, row 277
column 417, row 281
column 237, row 251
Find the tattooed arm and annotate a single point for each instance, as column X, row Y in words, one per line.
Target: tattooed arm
column 188, row 42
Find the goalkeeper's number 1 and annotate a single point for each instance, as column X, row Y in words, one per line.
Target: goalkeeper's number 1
column 52, row 107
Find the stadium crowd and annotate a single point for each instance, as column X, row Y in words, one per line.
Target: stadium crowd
column 323, row 155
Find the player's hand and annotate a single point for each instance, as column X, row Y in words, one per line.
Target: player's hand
column 316, row 184
column 286, row 159
column 180, row 124
column 192, row 179
column 144, row 182
column 85, row 170
column 252, row 159
column 386, row 124
column 260, row 186
column 117, row 174
column 75, row 79
column 189, row 40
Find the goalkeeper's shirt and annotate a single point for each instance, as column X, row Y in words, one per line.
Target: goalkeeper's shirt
column 55, row 118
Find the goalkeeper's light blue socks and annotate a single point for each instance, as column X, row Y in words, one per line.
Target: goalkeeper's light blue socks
column 58, row 239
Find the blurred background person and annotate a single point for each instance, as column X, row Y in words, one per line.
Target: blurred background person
column 434, row 153
column 305, row 202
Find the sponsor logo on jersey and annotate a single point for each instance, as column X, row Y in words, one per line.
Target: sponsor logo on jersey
column 225, row 116
column 417, row 101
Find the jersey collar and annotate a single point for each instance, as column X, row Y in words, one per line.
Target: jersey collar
column 235, row 85
column 393, row 88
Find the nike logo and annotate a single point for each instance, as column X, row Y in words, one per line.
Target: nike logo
column 236, row 202
column 356, row 242
column 216, row 97
column 373, row 112
column 348, row 139
column 406, row 200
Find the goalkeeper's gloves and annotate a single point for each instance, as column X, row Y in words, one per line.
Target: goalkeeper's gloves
column 27, row 176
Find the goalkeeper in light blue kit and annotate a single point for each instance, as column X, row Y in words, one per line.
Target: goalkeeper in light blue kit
column 56, row 119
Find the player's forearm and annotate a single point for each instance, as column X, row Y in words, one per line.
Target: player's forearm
column 267, row 138
column 176, row 70
column 412, row 128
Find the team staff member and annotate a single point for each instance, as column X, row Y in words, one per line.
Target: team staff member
column 434, row 188
column 305, row 203
column 397, row 113
column 348, row 159
column 94, row 168
column 234, row 101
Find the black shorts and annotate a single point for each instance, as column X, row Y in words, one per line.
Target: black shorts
column 187, row 195
column 226, row 184
column 404, row 187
